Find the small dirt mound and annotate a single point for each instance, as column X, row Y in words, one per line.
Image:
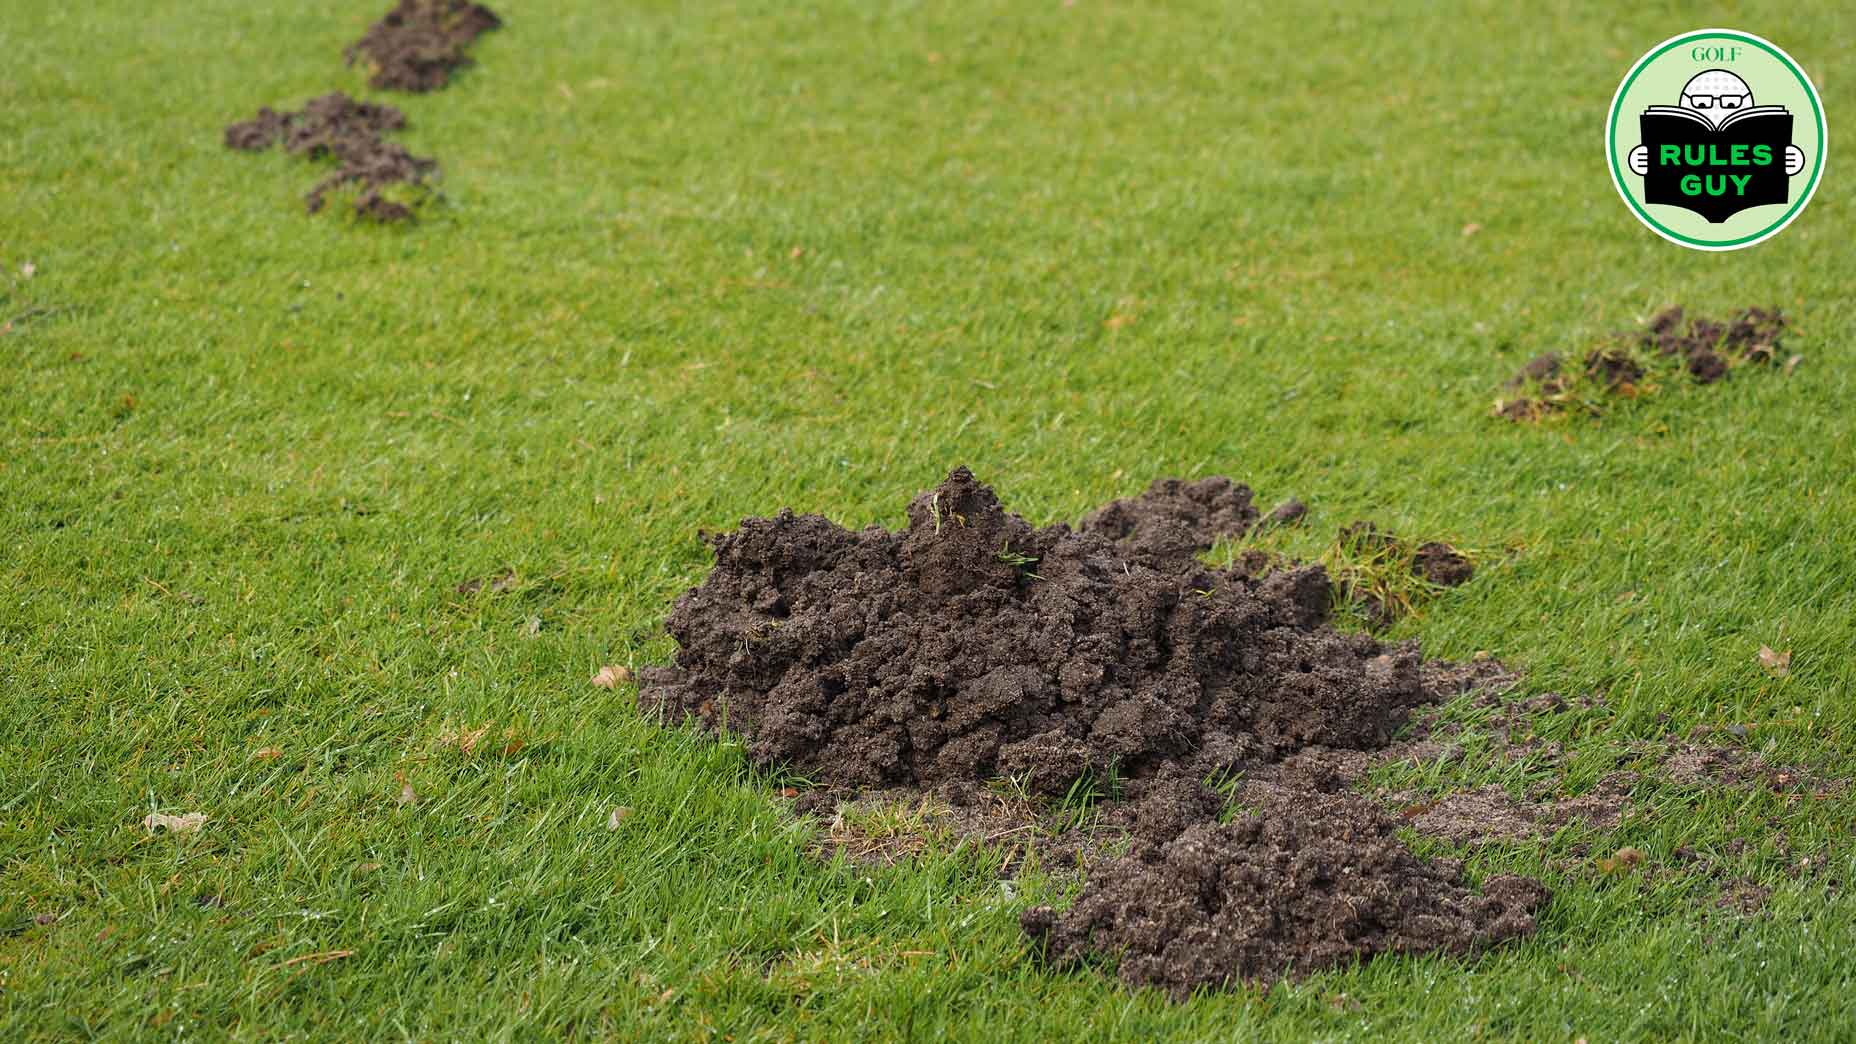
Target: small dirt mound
column 1628, row 364
column 972, row 646
column 1753, row 335
column 1288, row 513
column 1175, row 518
column 1306, row 881
column 337, row 127
column 420, row 43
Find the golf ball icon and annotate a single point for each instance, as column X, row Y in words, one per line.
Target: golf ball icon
column 1714, row 95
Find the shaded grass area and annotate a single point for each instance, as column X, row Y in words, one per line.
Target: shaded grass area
column 694, row 264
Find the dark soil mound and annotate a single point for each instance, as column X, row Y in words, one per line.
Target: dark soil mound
column 1753, row 335
column 1175, row 518
column 972, row 645
column 1288, row 513
column 1441, row 564
column 418, row 45
column 337, row 127
column 325, row 126
column 1305, row 881
column 1705, row 349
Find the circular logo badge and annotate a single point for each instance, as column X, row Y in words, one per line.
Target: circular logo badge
column 1716, row 139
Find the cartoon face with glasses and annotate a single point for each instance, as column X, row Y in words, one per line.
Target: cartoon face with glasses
column 1715, row 95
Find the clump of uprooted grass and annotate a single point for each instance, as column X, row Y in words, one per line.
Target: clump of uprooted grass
column 1376, row 577
column 1381, row 577
column 1671, row 348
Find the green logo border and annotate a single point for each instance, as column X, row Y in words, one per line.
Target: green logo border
column 1617, row 172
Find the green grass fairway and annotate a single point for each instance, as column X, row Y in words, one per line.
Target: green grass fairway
column 695, row 262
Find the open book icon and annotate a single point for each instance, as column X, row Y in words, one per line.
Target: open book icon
column 1755, row 112
column 1716, row 171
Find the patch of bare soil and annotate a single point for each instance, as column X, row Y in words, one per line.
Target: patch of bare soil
column 336, row 127
column 1672, row 345
column 1306, row 880
column 1105, row 660
column 420, row 43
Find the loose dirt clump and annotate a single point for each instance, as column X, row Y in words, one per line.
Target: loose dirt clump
column 1631, row 364
column 1175, row 518
column 1104, row 661
column 1306, row 881
column 1441, row 564
column 337, row 127
column 420, row 43
column 1290, row 512
column 1752, row 336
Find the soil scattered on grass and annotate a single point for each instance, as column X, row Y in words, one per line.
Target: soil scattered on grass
column 1105, row 661
column 1628, row 364
column 1514, row 734
column 1490, row 813
column 1724, row 766
column 420, row 43
column 1743, row 897
column 337, row 127
column 1307, row 880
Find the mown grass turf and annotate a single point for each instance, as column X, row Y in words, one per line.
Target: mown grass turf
column 695, row 262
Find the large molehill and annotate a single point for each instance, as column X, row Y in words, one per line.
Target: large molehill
column 972, row 646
